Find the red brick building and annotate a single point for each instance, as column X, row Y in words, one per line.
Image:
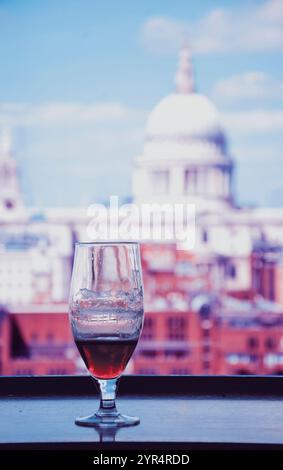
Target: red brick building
column 36, row 340
column 212, row 339
column 235, row 337
column 187, row 329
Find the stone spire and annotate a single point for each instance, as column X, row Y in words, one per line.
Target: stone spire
column 184, row 79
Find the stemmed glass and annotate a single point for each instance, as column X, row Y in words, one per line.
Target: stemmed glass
column 106, row 315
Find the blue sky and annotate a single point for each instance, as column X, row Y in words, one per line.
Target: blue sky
column 79, row 77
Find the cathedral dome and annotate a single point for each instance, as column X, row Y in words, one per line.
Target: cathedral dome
column 184, row 116
column 185, row 122
column 185, row 156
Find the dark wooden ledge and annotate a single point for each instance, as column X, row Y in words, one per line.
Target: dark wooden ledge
column 176, row 412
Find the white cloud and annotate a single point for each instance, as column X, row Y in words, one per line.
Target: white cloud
column 252, row 86
column 253, row 27
column 253, row 121
column 60, row 113
column 271, row 10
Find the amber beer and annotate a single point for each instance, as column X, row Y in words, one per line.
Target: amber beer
column 106, row 358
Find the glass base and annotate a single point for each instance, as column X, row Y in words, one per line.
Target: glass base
column 109, row 419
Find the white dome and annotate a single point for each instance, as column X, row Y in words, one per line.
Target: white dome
column 185, row 156
column 184, row 116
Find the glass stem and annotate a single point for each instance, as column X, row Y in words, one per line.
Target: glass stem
column 107, row 397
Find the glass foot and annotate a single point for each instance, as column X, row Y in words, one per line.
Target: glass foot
column 104, row 420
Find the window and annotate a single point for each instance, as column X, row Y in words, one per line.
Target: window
column 205, row 311
column 177, row 328
column 206, row 348
column 231, row 270
column 148, row 329
column 252, row 342
column 206, row 366
column 204, row 236
column 160, row 182
column 270, row 343
column 9, row 204
column 206, row 332
column 190, row 181
column 148, row 353
column 253, row 358
column 176, row 354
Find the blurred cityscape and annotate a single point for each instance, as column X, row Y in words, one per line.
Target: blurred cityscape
column 213, row 309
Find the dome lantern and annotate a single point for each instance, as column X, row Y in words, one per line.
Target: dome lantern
column 184, row 80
